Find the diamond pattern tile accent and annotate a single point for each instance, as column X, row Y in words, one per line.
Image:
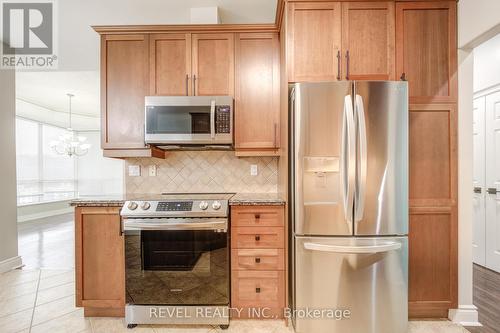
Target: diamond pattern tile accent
column 205, row 171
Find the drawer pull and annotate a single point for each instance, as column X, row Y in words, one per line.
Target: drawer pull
column 257, row 290
column 257, row 216
column 257, row 238
column 257, row 260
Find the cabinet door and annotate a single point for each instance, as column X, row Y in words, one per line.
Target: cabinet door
column 368, row 34
column 100, row 258
column 314, row 41
column 257, row 91
column 426, row 50
column 170, row 64
column 124, row 83
column 213, row 64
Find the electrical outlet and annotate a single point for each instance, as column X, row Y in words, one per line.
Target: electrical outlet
column 153, row 171
column 134, row 170
column 254, row 171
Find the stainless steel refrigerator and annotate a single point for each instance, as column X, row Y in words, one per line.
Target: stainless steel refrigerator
column 349, row 211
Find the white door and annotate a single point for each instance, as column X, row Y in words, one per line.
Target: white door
column 479, row 221
column 493, row 181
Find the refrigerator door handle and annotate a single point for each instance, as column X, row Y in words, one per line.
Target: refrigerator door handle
column 362, row 160
column 370, row 249
column 348, row 158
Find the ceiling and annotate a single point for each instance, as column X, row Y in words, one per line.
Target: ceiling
column 78, row 50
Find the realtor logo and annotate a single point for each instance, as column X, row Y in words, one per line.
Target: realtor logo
column 28, row 34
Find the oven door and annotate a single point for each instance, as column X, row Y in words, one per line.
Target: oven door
column 179, row 120
column 184, row 262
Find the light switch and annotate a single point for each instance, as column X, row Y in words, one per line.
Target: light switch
column 254, row 171
column 153, row 171
column 134, row 170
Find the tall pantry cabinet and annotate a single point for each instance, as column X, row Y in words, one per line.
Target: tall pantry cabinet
column 413, row 41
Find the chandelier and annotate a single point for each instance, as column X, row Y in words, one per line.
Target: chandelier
column 70, row 144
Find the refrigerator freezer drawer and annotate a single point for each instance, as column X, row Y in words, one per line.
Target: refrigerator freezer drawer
column 368, row 277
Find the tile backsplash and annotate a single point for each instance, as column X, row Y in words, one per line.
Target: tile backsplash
column 203, row 171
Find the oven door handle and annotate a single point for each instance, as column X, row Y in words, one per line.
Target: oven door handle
column 212, row 119
column 174, row 224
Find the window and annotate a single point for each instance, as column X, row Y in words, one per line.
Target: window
column 42, row 174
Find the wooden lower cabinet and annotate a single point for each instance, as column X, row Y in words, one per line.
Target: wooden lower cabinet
column 257, row 262
column 100, row 263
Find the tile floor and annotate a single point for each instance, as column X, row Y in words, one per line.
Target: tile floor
column 42, row 301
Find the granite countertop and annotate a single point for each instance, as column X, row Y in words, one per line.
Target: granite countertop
column 241, row 199
column 119, row 200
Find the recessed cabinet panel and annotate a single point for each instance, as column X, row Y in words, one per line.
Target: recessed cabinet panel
column 314, row 41
column 432, row 155
column 368, row 34
column 170, row 65
column 257, row 91
column 426, row 49
column 213, row 64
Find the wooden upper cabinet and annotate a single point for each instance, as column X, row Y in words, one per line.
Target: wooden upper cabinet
column 257, row 91
column 100, row 263
column 124, row 83
column 426, row 51
column 213, row 64
column 368, row 35
column 170, row 64
column 313, row 41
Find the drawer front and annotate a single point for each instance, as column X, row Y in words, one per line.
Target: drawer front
column 257, row 237
column 248, row 216
column 257, row 259
column 258, row 289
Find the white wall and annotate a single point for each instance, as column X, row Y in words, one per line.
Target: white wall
column 8, row 223
column 478, row 20
column 487, row 64
column 98, row 175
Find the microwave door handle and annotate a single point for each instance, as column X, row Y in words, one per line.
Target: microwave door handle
column 212, row 119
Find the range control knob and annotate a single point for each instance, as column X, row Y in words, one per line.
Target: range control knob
column 203, row 205
column 145, row 205
column 132, row 205
column 216, row 205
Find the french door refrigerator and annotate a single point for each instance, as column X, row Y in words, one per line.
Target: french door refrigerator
column 349, row 188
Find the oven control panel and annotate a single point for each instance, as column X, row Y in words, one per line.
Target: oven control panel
column 175, row 208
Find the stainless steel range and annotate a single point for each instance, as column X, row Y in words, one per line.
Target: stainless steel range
column 177, row 260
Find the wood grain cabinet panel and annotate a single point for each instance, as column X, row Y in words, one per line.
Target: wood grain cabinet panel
column 124, row 83
column 257, row 237
column 254, row 216
column 257, row 259
column 257, row 91
column 170, row 64
column 258, row 289
column 433, row 155
column 100, row 260
column 314, row 41
column 213, row 64
column 426, row 51
column 368, row 35
column 432, row 262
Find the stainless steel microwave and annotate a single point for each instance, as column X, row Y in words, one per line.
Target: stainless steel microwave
column 189, row 120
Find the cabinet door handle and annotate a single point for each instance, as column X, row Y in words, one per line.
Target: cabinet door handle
column 347, row 64
column 477, row 190
column 257, row 290
column 257, row 216
column 257, row 260
column 403, row 76
column 492, row 190
column 187, row 84
column 194, row 85
column 257, row 238
column 339, row 60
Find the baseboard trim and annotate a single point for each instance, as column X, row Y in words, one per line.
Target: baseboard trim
column 465, row 315
column 10, row 264
column 31, row 217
